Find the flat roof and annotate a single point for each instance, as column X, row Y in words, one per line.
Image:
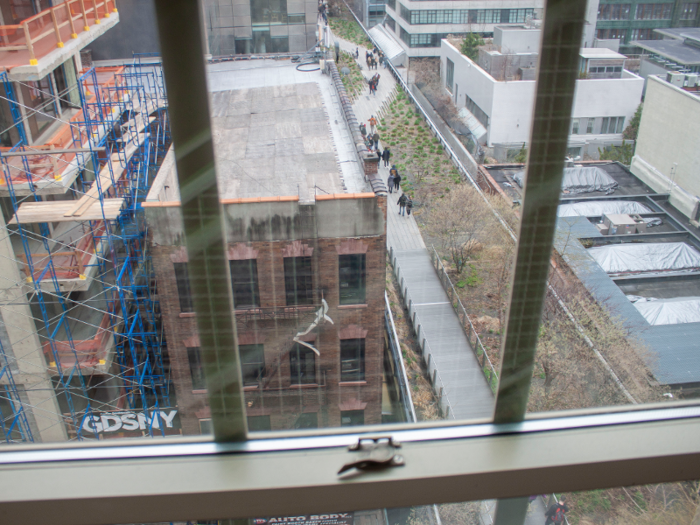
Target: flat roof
column 599, row 52
column 680, row 33
column 672, row 49
column 278, row 132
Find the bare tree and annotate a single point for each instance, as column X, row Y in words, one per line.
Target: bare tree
column 458, row 222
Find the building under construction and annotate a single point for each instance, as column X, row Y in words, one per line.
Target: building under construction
column 80, row 336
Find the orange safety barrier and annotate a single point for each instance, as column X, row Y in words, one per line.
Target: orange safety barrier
column 40, row 34
column 68, row 264
column 90, row 352
column 68, row 136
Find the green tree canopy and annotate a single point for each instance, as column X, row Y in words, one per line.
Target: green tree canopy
column 470, row 45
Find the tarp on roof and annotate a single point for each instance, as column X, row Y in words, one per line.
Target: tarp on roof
column 646, row 257
column 599, row 208
column 677, row 310
column 388, row 44
column 581, row 179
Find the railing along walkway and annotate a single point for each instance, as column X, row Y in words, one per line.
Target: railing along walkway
column 455, row 371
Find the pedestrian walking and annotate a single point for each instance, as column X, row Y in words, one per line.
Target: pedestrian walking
column 386, row 155
column 379, row 154
column 376, row 139
column 357, row 53
column 556, row 513
column 372, row 124
column 390, row 182
column 403, row 200
column 397, row 181
column 409, row 205
column 363, row 130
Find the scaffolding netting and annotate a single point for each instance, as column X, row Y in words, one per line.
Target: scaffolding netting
column 677, row 310
column 581, row 179
column 600, row 208
column 646, row 257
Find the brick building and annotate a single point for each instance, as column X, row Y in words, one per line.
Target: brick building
column 297, row 240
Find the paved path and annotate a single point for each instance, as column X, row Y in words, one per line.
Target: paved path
column 458, row 373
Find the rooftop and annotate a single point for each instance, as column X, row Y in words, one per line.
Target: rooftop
column 672, row 49
column 676, row 352
column 278, row 132
column 599, row 52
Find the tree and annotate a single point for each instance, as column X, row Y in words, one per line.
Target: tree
column 470, row 45
column 622, row 154
column 632, row 128
column 521, row 156
column 458, row 221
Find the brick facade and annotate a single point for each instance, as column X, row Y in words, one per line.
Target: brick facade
column 279, row 399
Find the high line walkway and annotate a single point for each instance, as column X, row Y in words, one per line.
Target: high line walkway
column 455, row 371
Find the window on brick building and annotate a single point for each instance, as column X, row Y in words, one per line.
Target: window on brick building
column 194, row 356
column 307, row 420
column 298, row 280
column 352, row 359
column 302, row 365
column 258, row 423
column 351, row 277
column 244, row 279
column 252, row 363
column 351, row 418
column 205, row 426
column 183, row 287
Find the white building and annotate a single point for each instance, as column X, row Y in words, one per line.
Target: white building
column 420, row 25
column 499, row 90
column 667, row 155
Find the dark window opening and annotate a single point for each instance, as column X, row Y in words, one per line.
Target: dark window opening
column 252, row 363
column 352, row 418
column 302, row 365
column 298, row 280
column 258, row 423
column 352, row 360
column 182, row 279
column 307, row 420
column 351, row 270
column 194, row 356
column 244, row 279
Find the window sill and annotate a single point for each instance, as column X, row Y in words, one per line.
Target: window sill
column 309, row 385
column 199, row 391
column 187, row 314
column 351, row 306
column 350, row 383
column 250, row 388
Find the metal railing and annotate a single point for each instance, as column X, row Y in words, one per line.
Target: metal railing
column 423, row 343
column 472, row 336
column 402, row 377
column 66, row 19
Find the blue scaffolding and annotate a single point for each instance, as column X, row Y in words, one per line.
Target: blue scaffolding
column 124, row 126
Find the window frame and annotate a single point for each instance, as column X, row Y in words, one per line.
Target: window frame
column 259, row 363
column 300, row 268
column 361, row 278
column 563, row 452
column 356, row 349
column 252, row 282
column 295, row 365
column 196, row 366
column 184, row 292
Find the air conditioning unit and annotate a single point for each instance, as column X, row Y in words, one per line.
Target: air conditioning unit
column 620, row 224
column 692, row 80
column 676, row 79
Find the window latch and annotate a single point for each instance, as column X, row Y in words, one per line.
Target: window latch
column 375, row 454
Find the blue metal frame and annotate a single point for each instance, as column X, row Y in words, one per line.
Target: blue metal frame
column 124, row 265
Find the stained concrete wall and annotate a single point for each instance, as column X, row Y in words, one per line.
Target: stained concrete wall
column 136, row 32
column 669, row 134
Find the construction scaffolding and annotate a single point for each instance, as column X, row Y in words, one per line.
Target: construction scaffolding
column 81, row 242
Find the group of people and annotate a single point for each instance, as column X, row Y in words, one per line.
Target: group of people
column 394, row 181
column 322, row 11
column 373, row 83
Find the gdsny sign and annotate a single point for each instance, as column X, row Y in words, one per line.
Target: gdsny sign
column 128, row 421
